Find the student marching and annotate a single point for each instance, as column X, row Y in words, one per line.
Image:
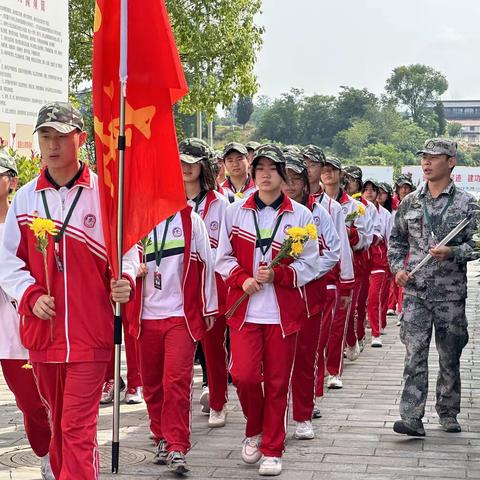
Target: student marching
column 275, row 271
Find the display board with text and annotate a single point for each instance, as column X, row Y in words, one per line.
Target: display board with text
column 33, row 64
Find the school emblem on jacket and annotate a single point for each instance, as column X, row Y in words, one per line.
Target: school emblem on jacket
column 316, row 220
column 90, row 220
column 345, row 210
column 213, row 226
column 177, row 232
column 286, row 227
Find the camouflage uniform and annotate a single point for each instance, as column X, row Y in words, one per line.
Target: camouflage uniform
column 435, row 296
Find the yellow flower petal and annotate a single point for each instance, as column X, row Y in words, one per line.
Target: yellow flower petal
column 311, row 231
column 361, row 210
column 42, row 227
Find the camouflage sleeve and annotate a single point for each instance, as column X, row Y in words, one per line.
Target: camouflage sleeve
column 398, row 245
column 465, row 252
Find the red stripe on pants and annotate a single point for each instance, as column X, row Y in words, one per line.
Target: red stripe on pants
column 215, row 351
column 22, row 384
column 361, row 310
column 72, row 393
column 376, row 294
column 325, row 328
column 131, row 354
column 336, row 339
column 259, row 353
column 351, row 330
column 305, row 368
column 385, row 294
column 166, row 363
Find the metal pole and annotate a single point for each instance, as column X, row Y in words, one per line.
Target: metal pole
column 117, row 325
column 210, row 133
column 199, row 124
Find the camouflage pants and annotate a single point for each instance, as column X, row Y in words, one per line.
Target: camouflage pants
column 451, row 336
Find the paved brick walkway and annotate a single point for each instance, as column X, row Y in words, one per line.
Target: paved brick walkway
column 354, row 438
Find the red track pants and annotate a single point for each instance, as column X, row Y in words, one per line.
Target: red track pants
column 166, row 363
column 131, row 352
column 261, row 364
column 72, row 394
column 305, row 368
column 215, row 351
column 376, row 297
column 336, row 339
column 396, row 297
column 351, row 330
column 325, row 329
column 361, row 310
column 22, row 384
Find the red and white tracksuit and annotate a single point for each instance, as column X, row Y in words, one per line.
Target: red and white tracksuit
column 70, row 367
column 379, row 274
column 340, row 279
column 263, row 329
column 169, row 321
column 304, row 377
column 20, row 381
column 360, row 313
column 248, row 188
column 212, row 211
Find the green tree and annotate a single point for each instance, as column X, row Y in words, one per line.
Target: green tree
column 318, row 120
column 350, row 142
column 454, row 129
column 218, row 41
column 244, row 110
column 281, row 122
column 441, row 120
column 353, row 103
column 261, row 105
column 414, row 85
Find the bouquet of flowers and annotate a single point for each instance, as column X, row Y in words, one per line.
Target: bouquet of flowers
column 292, row 246
column 359, row 212
column 43, row 229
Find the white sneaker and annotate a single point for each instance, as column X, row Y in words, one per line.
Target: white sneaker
column 383, row 332
column 316, row 412
column 251, row 449
column 46, row 469
column 399, row 323
column 108, row 391
column 204, row 401
column 376, row 342
column 304, row 431
column 270, row 466
column 217, row 418
column 361, row 344
column 134, row 396
column 391, row 312
column 352, row 353
column 334, row 382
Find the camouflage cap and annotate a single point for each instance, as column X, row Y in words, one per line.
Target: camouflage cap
column 193, row 150
column 252, row 145
column 294, row 161
column 353, row 171
column 61, row 116
column 439, row 146
column 372, row 181
column 268, row 150
column 291, row 148
column 386, row 187
column 235, row 146
column 334, row 162
column 404, row 179
column 7, row 162
column 314, row 153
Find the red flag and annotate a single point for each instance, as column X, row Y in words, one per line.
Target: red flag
column 153, row 178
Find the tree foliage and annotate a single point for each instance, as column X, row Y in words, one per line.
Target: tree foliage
column 244, row 110
column 414, row 85
column 218, row 41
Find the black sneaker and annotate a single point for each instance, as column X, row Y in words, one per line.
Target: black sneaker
column 176, row 463
column 160, row 457
column 413, row 428
column 450, row 424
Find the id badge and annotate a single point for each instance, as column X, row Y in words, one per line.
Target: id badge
column 58, row 260
column 157, row 280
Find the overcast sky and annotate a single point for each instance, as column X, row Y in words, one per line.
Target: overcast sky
column 318, row 45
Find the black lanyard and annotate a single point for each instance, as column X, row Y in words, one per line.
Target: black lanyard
column 198, row 200
column 60, row 233
column 232, row 186
column 433, row 221
column 159, row 253
column 269, row 241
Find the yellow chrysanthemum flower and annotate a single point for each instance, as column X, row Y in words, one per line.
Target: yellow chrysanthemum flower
column 297, row 249
column 356, row 196
column 296, row 233
column 311, row 231
column 42, row 227
column 361, row 210
column 239, row 195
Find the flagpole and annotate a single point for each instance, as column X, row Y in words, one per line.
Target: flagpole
column 117, row 332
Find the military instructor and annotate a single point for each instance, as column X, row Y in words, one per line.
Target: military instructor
column 435, row 295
